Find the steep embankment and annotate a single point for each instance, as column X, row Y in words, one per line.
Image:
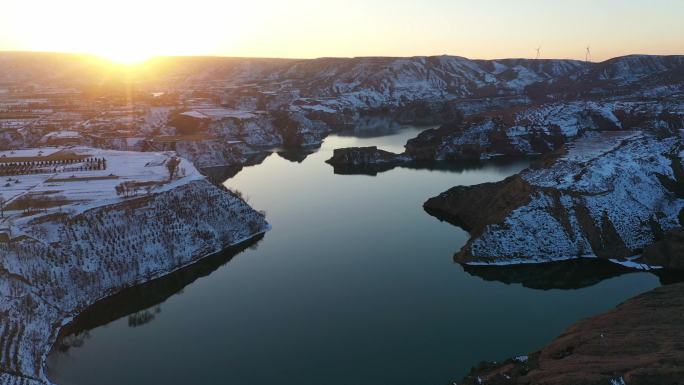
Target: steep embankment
column 611, row 195
column 64, row 263
column 637, row 343
column 540, row 129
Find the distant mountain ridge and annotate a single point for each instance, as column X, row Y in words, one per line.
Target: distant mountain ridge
column 372, row 79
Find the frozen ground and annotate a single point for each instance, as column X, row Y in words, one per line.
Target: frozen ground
column 88, row 189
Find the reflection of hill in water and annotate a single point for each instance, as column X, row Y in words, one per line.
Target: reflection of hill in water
column 443, row 166
column 219, row 174
column 140, row 303
column 374, row 127
column 296, row 155
column 565, row 275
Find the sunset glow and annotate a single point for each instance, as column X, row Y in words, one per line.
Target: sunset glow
column 130, row 31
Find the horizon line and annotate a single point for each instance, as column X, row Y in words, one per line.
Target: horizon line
column 218, row 56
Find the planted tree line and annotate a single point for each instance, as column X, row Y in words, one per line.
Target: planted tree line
column 43, row 166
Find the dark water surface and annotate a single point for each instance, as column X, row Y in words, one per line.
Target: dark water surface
column 354, row 285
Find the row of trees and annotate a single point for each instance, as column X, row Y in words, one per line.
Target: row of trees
column 55, row 162
column 30, row 204
column 132, row 188
column 37, row 167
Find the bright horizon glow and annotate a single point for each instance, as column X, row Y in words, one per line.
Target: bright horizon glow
column 126, row 57
column 132, row 31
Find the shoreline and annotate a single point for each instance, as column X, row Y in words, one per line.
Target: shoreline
column 59, row 264
column 240, row 246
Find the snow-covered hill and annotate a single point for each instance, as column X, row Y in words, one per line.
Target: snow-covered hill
column 610, row 195
column 368, row 81
column 542, row 128
column 56, row 262
column 377, row 81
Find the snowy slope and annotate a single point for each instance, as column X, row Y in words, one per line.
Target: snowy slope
column 609, row 196
column 542, row 129
column 61, row 261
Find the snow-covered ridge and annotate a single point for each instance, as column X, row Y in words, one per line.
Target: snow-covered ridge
column 366, row 80
column 633, row 68
column 610, row 196
column 543, row 128
column 58, row 262
column 266, row 103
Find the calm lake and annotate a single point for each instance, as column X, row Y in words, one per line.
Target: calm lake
column 354, row 285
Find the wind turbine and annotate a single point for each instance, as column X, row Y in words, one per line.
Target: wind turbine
column 538, row 52
column 587, row 55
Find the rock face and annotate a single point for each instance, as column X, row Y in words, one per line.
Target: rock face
column 637, row 343
column 610, row 195
column 668, row 251
column 364, row 160
column 61, row 264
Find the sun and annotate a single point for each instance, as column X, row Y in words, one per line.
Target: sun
column 127, row 47
column 127, row 57
column 129, row 32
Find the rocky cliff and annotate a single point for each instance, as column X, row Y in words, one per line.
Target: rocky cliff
column 609, row 196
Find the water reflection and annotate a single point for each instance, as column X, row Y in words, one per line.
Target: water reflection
column 141, row 304
column 444, row 166
column 296, row 155
column 566, row 275
column 218, row 174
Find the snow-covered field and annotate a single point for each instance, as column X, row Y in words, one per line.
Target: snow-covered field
column 88, row 189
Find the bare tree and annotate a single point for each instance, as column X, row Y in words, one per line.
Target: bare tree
column 172, row 166
column 25, row 203
column 2, row 207
column 9, row 231
column 119, row 188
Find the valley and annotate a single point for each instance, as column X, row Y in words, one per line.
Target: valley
column 561, row 174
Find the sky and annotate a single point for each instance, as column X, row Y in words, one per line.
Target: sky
column 131, row 30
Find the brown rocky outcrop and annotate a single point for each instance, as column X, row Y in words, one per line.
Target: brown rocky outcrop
column 669, row 251
column 357, row 156
column 640, row 342
column 473, row 207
